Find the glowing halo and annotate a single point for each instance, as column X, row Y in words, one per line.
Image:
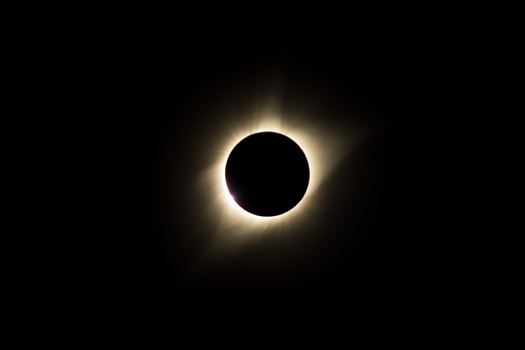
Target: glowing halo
column 323, row 147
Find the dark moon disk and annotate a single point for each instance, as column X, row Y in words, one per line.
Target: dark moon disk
column 267, row 174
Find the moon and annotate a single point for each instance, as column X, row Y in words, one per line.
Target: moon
column 267, row 174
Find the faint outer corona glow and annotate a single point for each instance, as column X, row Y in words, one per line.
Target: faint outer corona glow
column 323, row 149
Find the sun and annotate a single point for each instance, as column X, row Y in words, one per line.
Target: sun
column 323, row 147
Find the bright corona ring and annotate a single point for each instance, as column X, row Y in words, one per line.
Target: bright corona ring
column 254, row 210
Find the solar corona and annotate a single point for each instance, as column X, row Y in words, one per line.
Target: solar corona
column 265, row 173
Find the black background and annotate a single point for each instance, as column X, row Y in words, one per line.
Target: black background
column 134, row 103
column 354, row 261
column 116, row 107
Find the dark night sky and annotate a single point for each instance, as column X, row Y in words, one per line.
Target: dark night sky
column 119, row 113
column 176, row 95
column 140, row 103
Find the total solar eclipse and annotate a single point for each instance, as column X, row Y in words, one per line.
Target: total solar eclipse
column 267, row 174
